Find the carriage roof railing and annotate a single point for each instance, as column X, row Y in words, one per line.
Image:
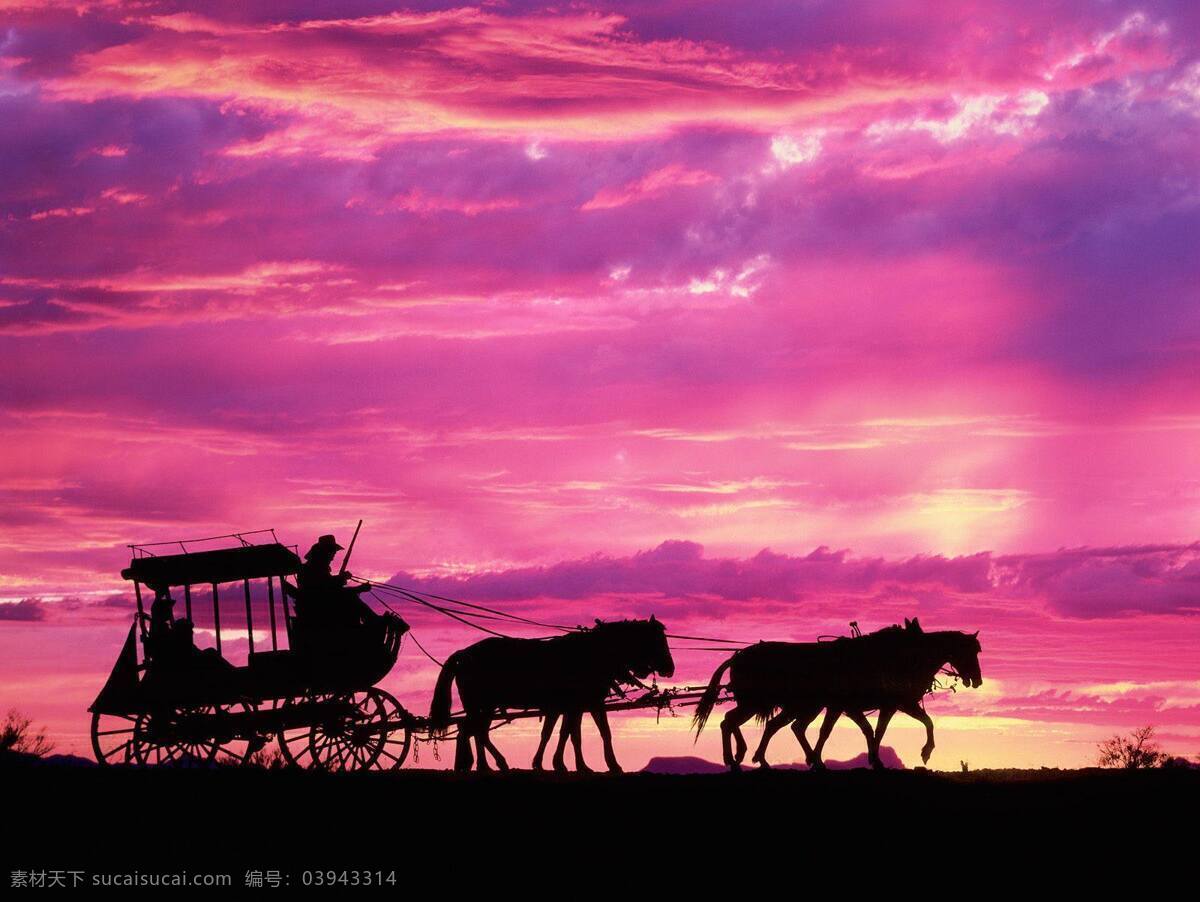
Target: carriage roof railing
column 142, row 549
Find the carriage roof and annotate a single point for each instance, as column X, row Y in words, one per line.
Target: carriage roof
column 220, row 566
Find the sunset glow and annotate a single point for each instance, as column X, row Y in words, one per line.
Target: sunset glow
column 758, row 317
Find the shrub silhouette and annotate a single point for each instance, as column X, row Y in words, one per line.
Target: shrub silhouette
column 1132, row 751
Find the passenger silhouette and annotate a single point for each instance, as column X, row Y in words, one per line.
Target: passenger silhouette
column 160, row 640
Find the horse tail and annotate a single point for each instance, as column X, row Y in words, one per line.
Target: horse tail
column 708, row 700
column 439, row 710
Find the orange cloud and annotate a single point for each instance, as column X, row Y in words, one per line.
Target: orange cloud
column 567, row 77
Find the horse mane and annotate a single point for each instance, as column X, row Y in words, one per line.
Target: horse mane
column 613, row 626
column 601, row 629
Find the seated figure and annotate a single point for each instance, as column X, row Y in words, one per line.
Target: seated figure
column 170, row 648
column 331, row 617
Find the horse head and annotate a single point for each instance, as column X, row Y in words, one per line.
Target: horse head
column 641, row 645
column 962, row 653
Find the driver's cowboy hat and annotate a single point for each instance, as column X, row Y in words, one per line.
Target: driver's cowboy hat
column 324, row 543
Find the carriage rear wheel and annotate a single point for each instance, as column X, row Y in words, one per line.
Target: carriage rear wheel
column 191, row 736
column 348, row 731
column 114, row 737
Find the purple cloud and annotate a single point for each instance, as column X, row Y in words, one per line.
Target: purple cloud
column 1084, row 582
column 27, row 610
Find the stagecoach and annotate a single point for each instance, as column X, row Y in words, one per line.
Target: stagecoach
column 320, row 700
column 322, row 706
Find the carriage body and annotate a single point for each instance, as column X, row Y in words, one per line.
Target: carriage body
column 319, row 701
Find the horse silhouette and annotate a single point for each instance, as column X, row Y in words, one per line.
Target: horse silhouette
column 800, row 718
column 890, row 670
column 569, row 675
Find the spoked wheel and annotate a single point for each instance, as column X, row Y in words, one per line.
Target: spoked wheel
column 114, row 737
column 348, row 731
column 191, row 736
column 296, row 734
column 397, row 737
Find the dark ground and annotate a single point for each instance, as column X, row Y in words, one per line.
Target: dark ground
column 437, row 826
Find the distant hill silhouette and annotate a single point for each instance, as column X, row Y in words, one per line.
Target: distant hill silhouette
column 689, row 764
column 24, row 759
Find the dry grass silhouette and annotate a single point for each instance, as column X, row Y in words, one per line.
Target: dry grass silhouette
column 17, row 735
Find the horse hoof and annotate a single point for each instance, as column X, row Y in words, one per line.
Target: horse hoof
column 735, row 768
column 762, row 764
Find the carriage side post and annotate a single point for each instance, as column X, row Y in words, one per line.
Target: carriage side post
column 271, row 608
column 249, row 617
column 137, row 594
column 287, row 614
column 187, row 601
column 216, row 617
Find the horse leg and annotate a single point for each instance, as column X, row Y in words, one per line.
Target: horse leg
column 463, row 759
column 831, row 717
column 865, row 725
column 501, row 763
column 800, row 727
column 548, row 722
column 774, row 725
column 479, row 728
column 881, row 725
column 916, row 712
column 600, row 716
column 560, row 765
column 577, row 742
column 731, row 731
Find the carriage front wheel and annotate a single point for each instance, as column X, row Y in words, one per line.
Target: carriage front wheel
column 346, row 731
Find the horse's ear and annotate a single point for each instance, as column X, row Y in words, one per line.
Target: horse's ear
column 975, row 635
column 652, row 619
column 598, row 621
column 916, row 625
column 907, row 623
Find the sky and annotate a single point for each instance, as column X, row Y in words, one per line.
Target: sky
column 759, row 317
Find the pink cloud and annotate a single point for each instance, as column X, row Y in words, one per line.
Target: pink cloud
column 651, row 185
column 1064, row 706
